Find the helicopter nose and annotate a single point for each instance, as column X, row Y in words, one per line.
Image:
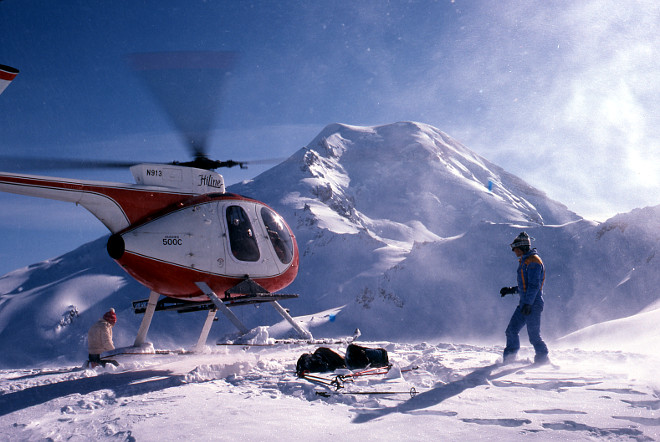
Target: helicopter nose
column 116, row 246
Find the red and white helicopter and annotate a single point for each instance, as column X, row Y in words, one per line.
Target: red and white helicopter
column 7, row 75
column 176, row 230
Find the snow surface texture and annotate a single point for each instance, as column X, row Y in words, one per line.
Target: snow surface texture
column 235, row 393
column 403, row 233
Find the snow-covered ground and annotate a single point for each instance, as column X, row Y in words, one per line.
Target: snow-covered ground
column 232, row 393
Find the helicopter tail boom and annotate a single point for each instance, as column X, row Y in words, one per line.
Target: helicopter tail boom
column 116, row 205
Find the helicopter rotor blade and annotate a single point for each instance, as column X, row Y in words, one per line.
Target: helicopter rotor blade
column 266, row 161
column 188, row 85
column 20, row 164
column 26, row 164
column 206, row 163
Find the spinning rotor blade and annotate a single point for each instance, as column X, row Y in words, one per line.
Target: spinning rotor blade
column 26, row 164
column 20, row 164
column 206, row 163
column 188, row 85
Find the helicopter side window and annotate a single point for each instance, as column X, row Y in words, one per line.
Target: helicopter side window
column 278, row 234
column 241, row 235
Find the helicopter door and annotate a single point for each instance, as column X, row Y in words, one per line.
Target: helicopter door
column 206, row 254
column 243, row 241
column 242, row 237
column 185, row 238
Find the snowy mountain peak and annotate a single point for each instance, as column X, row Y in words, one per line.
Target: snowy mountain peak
column 408, row 173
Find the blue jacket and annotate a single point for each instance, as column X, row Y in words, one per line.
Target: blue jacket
column 531, row 275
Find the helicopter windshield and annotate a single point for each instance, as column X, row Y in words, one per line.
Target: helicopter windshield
column 241, row 235
column 278, row 234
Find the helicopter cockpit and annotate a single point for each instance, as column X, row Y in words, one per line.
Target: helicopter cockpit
column 242, row 240
column 278, row 234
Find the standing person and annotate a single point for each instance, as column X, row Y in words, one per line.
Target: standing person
column 531, row 274
column 99, row 338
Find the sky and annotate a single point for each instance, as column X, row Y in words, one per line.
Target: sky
column 561, row 94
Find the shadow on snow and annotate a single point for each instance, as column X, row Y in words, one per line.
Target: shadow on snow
column 122, row 384
column 439, row 394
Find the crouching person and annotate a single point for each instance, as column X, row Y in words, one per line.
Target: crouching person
column 99, row 339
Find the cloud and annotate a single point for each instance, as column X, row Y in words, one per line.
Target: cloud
column 572, row 106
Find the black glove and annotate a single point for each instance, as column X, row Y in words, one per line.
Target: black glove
column 526, row 309
column 508, row 291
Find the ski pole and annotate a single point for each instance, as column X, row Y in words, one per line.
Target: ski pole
column 375, row 371
column 336, row 382
column 370, row 371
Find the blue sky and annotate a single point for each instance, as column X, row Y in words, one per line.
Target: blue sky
column 562, row 94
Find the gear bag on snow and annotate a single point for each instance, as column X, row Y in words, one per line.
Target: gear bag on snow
column 322, row 360
column 362, row 357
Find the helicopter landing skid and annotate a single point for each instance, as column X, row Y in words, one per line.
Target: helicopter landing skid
column 240, row 288
column 244, row 293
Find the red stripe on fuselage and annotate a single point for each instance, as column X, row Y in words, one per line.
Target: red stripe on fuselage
column 179, row 282
column 189, row 201
column 7, row 73
column 135, row 203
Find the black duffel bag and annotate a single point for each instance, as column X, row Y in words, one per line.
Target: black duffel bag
column 322, row 360
column 362, row 357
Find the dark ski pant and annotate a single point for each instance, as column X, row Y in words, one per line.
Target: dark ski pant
column 533, row 323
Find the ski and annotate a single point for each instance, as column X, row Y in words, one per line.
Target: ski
column 154, row 353
column 339, row 380
column 412, row 392
column 270, row 342
column 301, row 342
column 46, row 372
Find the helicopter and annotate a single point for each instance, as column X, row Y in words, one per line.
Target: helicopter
column 176, row 230
column 7, row 75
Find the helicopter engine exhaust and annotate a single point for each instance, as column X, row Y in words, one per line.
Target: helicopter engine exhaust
column 116, row 246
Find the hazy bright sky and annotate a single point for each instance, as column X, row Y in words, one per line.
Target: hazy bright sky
column 563, row 94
